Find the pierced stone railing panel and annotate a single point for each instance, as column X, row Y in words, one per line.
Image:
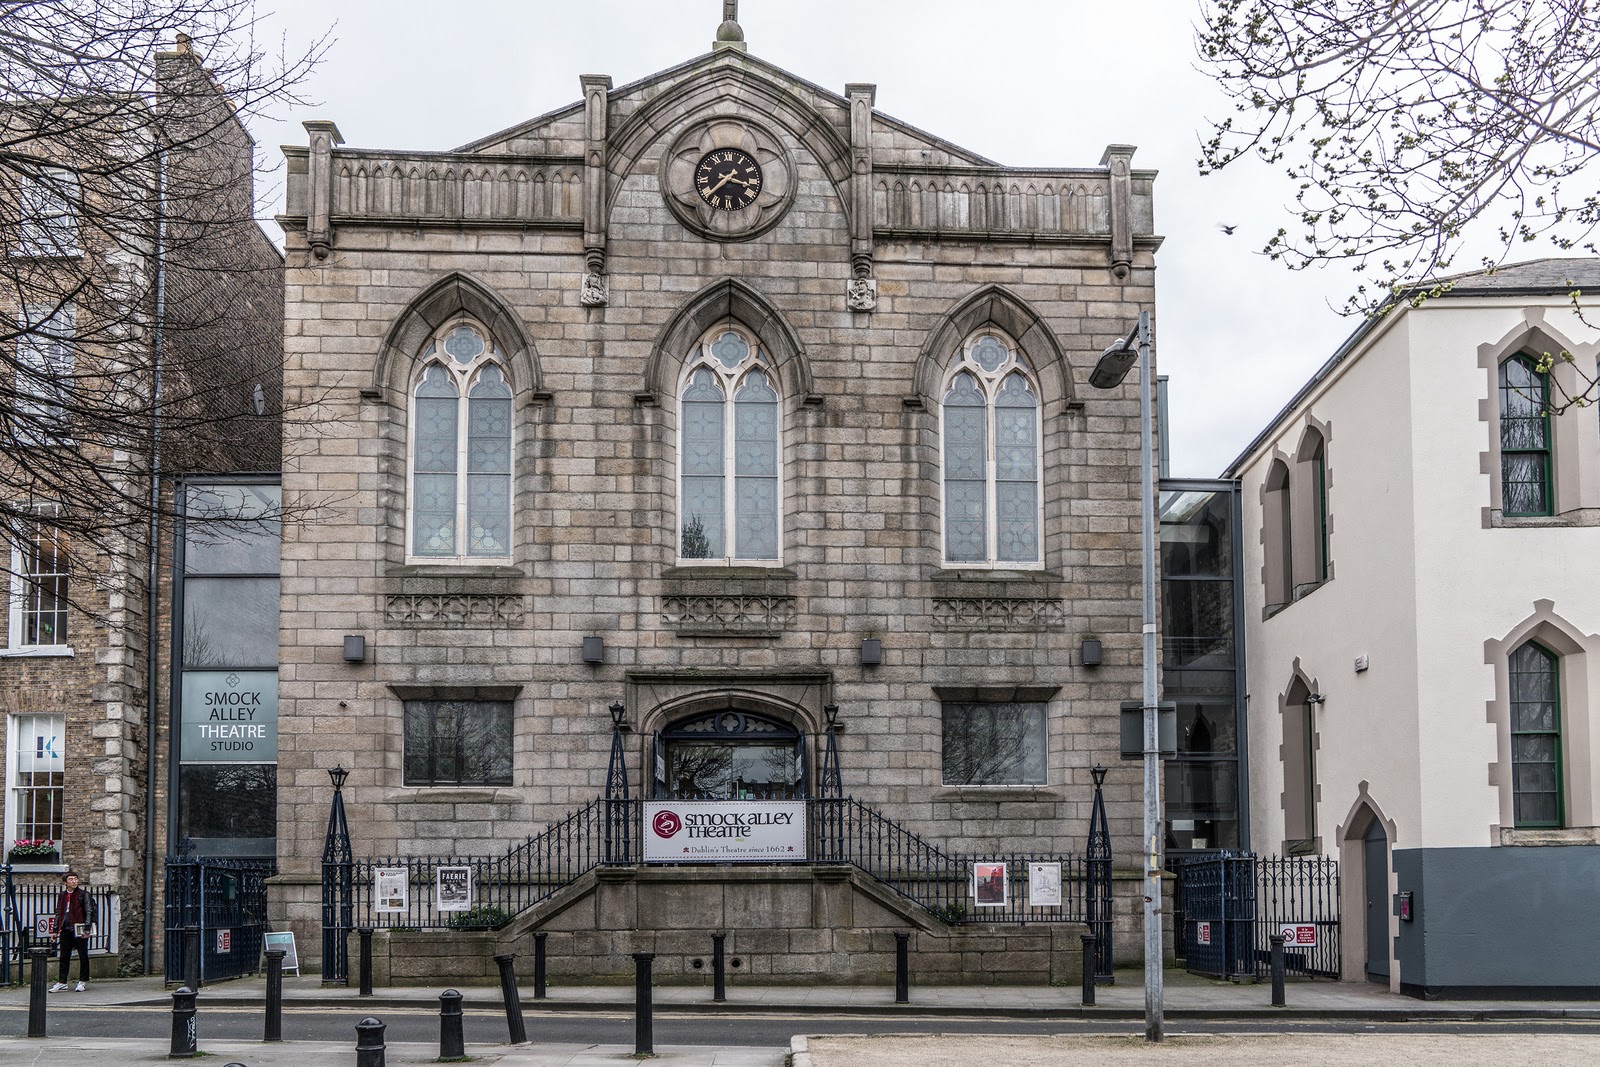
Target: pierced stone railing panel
column 999, row 614
column 728, row 614
column 991, row 202
column 458, row 189
column 454, row 609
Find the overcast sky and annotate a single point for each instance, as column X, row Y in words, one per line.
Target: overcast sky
column 1029, row 83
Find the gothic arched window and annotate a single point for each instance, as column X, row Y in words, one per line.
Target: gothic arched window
column 729, row 455
column 991, row 440
column 461, row 449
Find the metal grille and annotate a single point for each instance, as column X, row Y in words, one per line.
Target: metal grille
column 1231, row 905
column 220, row 905
column 23, row 905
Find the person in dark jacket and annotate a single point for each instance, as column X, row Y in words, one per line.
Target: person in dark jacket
column 76, row 916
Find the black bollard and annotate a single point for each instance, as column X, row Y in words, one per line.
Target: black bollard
column 1088, row 970
column 191, row 958
column 39, row 959
column 452, row 1046
column 643, row 1020
column 274, row 1027
column 369, row 1043
column 538, row 965
column 513, row 999
column 1278, row 999
column 902, row 968
column 366, row 960
column 185, row 1034
column 719, row 976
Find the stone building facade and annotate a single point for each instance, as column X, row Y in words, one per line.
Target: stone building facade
column 783, row 400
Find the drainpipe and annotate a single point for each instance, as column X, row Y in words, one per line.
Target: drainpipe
column 153, row 574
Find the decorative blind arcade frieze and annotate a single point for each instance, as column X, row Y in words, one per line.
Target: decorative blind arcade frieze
column 731, row 614
column 984, row 614
column 991, row 202
column 458, row 189
column 453, row 609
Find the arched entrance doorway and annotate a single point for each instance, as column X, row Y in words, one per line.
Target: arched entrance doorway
column 1375, row 874
column 729, row 754
column 1366, row 903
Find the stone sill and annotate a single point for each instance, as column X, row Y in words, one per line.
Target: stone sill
column 40, row 868
column 717, row 572
column 958, row 793
column 425, row 794
column 981, row 573
column 1576, row 517
column 1574, row 835
column 37, row 652
column 453, row 570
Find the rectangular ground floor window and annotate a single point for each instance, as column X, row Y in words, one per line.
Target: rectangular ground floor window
column 994, row 744
column 458, row 742
column 34, row 778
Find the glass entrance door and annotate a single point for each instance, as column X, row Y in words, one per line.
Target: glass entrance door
column 730, row 755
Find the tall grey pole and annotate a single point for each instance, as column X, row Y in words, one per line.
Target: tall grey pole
column 1154, row 979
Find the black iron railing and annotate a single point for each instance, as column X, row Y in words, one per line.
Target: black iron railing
column 841, row 831
column 1232, row 904
column 218, row 909
column 26, row 909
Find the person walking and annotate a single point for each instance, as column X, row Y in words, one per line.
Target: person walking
column 76, row 916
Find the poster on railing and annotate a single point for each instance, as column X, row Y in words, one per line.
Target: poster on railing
column 723, row 831
column 389, row 890
column 452, row 888
column 1044, row 885
column 989, row 885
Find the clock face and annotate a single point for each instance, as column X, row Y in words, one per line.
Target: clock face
column 728, row 179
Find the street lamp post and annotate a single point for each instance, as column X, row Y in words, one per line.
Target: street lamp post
column 1108, row 373
column 830, row 785
column 338, row 889
column 617, row 843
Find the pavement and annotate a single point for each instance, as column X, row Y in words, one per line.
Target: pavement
column 1188, row 999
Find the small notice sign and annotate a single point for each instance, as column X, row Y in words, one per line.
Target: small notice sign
column 453, row 888
column 1044, row 885
column 389, row 890
column 1202, row 933
column 1299, row 935
column 224, row 942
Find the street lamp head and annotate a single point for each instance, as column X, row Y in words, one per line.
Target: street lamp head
column 617, row 711
column 338, row 774
column 1099, row 773
column 1114, row 364
column 832, row 712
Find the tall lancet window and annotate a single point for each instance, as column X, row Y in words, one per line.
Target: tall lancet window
column 461, row 446
column 991, row 439
column 729, row 455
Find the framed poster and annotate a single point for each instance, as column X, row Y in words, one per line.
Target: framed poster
column 285, row 941
column 390, row 890
column 452, row 889
column 1044, row 885
column 989, row 885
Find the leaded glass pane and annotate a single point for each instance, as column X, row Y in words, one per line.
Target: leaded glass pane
column 1017, row 521
column 756, row 428
column 702, row 518
column 464, row 344
column 756, row 509
column 989, row 353
column 1524, row 488
column 965, row 534
column 489, row 515
column 489, row 425
column 1535, row 736
column 1016, row 435
column 730, row 349
column 994, row 744
column 965, row 463
column 433, row 515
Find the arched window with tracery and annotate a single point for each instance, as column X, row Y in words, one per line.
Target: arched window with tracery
column 729, row 457
column 991, row 440
column 461, row 449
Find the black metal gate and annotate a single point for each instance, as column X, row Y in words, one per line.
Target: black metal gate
column 216, row 913
column 1232, row 904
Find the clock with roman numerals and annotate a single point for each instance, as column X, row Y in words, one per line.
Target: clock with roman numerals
column 728, row 179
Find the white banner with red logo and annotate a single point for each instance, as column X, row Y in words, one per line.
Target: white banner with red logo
column 721, row 831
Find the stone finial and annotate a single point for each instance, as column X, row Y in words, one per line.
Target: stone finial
column 730, row 34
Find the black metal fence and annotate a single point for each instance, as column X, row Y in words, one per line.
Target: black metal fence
column 1232, row 903
column 220, row 906
column 26, row 909
column 841, row 831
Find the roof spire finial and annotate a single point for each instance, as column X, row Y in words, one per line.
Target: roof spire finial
column 729, row 34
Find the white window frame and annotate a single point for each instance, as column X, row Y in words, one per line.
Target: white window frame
column 13, row 786
column 48, row 208
column 464, row 375
column 45, row 345
column 22, row 587
column 990, row 383
column 730, row 380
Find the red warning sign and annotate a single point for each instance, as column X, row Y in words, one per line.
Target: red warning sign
column 1299, row 935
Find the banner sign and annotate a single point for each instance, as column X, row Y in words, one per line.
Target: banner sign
column 389, row 890
column 230, row 717
column 721, row 831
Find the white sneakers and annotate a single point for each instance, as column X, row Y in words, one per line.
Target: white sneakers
column 59, row 987
column 81, row 986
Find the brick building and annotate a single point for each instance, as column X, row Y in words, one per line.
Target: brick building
column 726, row 398
column 146, row 304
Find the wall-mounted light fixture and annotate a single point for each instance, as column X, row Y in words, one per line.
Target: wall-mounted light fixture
column 594, row 650
column 1090, row 651
column 871, row 652
column 355, row 648
column 1315, row 698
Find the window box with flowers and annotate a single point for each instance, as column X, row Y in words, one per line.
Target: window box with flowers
column 35, row 851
